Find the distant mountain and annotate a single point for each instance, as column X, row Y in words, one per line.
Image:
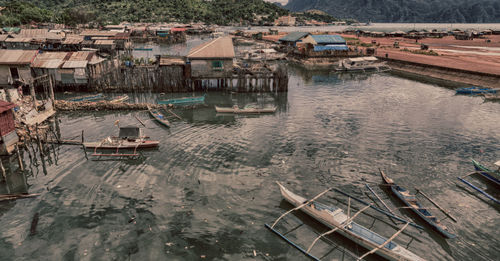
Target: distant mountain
column 412, row 11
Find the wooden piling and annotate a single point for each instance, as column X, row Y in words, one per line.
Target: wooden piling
column 4, row 175
column 19, row 158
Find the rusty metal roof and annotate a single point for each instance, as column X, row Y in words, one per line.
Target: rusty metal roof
column 39, row 34
column 165, row 61
column 5, row 106
column 17, row 56
column 218, row 48
column 3, row 37
column 18, row 40
column 81, row 56
column 73, row 39
column 49, row 60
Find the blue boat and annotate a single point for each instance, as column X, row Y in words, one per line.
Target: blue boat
column 475, row 90
column 489, row 174
column 92, row 97
column 184, row 100
column 411, row 201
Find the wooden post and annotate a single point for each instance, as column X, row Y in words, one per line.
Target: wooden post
column 3, row 171
column 39, row 141
column 33, row 95
column 51, row 90
column 19, row 158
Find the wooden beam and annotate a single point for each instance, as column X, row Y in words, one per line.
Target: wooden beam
column 435, row 204
column 337, row 227
column 385, row 243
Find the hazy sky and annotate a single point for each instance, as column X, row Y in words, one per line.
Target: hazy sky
column 283, row 2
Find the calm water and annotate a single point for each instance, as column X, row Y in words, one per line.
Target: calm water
column 210, row 187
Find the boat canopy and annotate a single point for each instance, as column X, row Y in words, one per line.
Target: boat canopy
column 363, row 59
column 130, row 132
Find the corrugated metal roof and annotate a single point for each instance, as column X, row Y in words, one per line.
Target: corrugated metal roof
column 81, row 56
column 104, row 42
column 3, row 37
column 164, row 61
column 18, row 40
column 17, row 56
column 218, row 48
column 98, row 33
column 328, row 39
column 74, row 39
column 74, row 64
column 49, row 60
column 39, row 34
column 294, row 36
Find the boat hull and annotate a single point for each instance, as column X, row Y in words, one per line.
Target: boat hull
column 88, row 98
column 334, row 219
column 182, row 101
column 396, row 190
column 487, row 173
column 123, row 145
column 244, row 111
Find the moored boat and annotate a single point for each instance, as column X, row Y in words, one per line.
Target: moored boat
column 118, row 99
column 158, row 116
column 91, row 97
column 491, row 97
column 493, row 176
column 248, row 110
column 475, row 90
column 184, row 100
column 334, row 217
column 362, row 64
column 129, row 137
column 411, row 201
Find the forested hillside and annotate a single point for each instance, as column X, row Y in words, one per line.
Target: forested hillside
column 412, row 11
column 82, row 11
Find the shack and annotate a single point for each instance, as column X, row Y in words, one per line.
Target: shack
column 107, row 46
column 15, row 67
column 8, row 135
column 293, row 38
column 48, row 63
column 212, row 59
column 19, row 43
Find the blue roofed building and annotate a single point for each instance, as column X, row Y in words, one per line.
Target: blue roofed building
column 326, row 42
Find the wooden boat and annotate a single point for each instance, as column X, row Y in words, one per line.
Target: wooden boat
column 362, row 64
column 159, row 117
column 411, row 201
column 493, row 176
column 129, row 137
column 119, row 99
column 334, row 217
column 248, row 110
column 184, row 100
column 91, row 97
column 475, row 90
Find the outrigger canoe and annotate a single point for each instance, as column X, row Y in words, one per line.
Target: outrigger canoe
column 129, row 137
column 158, row 116
column 184, row 101
column 489, row 174
column 237, row 110
column 411, row 201
column 334, row 217
column 119, row 99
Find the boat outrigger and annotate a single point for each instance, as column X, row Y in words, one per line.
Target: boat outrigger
column 118, row 99
column 487, row 173
column 411, row 201
column 130, row 137
column 343, row 224
column 247, row 110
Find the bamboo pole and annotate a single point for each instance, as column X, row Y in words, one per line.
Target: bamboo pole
column 170, row 111
column 19, row 158
column 435, row 204
column 381, row 201
column 385, row 243
column 137, row 118
column 299, row 207
column 337, row 227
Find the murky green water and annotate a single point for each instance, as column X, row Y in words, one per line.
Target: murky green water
column 210, row 187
